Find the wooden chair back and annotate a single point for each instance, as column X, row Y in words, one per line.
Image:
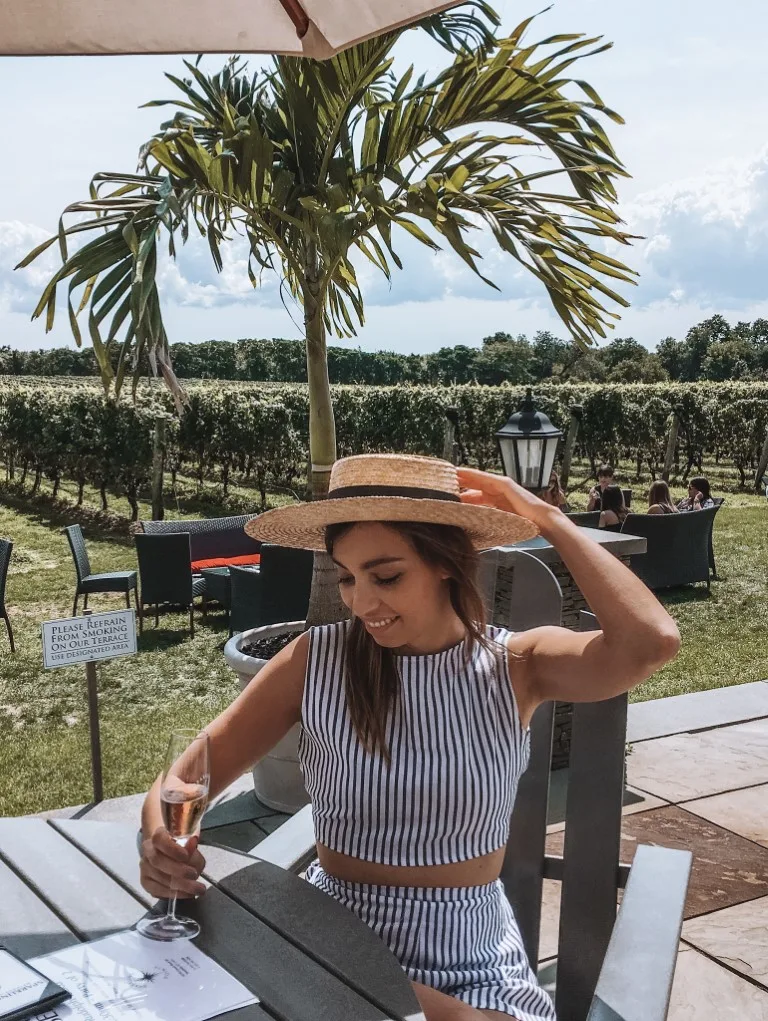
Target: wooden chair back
column 589, row 867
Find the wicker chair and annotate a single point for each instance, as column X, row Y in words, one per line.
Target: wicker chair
column 6, row 548
column 678, row 550
column 585, row 519
column 718, row 502
column 166, row 576
column 87, row 581
column 278, row 592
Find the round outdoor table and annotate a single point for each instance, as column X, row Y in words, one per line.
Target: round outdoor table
column 306, row 957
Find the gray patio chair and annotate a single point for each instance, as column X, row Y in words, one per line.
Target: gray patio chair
column 678, row 551
column 166, row 576
column 6, row 548
column 278, row 592
column 609, row 966
column 87, row 581
column 585, row 519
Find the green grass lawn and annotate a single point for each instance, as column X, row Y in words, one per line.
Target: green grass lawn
column 179, row 681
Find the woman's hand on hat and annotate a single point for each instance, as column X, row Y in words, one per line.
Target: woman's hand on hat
column 501, row 492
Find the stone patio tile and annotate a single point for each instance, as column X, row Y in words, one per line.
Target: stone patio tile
column 634, row 801
column 550, row 919
column 745, row 812
column 126, row 810
column 704, row 991
column 241, row 836
column 61, row 813
column 727, row 869
column 687, row 766
column 662, row 716
column 737, row 935
column 269, row 823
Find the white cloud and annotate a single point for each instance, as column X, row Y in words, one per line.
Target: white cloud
column 706, row 238
column 21, row 289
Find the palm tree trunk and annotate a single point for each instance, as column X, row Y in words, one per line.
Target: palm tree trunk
column 322, row 428
column 325, row 605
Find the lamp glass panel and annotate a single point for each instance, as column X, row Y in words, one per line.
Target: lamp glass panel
column 549, row 459
column 530, row 452
column 508, row 458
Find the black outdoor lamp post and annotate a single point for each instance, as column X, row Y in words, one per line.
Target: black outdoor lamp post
column 528, row 444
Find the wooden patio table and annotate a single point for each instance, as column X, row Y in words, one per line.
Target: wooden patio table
column 306, row 957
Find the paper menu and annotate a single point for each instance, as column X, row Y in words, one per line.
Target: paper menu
column 18, row 986
column 129, row 976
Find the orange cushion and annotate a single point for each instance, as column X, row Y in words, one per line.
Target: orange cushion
column 248, row 558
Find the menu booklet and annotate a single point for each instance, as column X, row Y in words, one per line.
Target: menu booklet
column 130, row 976
column 24, row 991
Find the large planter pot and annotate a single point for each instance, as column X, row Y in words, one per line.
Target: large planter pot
column 277, row 778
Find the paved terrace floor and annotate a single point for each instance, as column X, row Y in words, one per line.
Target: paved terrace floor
column 698, row 779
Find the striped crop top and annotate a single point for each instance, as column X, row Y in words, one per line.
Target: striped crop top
column 457, row 750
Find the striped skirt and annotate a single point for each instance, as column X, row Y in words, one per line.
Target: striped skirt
column 462, row 941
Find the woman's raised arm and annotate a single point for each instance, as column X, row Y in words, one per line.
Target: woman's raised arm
column 638, row 636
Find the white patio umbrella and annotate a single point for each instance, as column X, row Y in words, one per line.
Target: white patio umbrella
column 302, row 28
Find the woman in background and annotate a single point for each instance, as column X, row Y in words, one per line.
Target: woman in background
column 699, row 495
column 554, row 495
column 604, row 478
column 614, row 510
column 660, row 499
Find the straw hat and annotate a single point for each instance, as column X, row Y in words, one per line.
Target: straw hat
column 389, row 487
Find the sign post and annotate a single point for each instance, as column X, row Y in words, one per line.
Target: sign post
column 86, row 639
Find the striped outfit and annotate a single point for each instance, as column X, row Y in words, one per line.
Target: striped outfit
column 457, row 751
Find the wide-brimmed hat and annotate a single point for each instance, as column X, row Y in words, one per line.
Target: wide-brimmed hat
column 389, row 487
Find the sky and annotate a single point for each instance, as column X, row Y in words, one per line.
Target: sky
column 688, row 76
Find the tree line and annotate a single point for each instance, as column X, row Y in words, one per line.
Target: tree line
column 712, row 350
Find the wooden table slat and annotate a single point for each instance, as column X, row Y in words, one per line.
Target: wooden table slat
column 290, row 984
column 92, row 904
column 112, row 846
column 306, row 957
column 27, row 927
column 308, row 921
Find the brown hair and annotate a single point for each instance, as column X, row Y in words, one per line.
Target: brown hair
column 613, row 500
column 659, row 494
column 372, row 680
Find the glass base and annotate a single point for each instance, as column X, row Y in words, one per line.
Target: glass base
column 167, row 929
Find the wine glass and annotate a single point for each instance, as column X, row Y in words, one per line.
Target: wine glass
column 183, row 799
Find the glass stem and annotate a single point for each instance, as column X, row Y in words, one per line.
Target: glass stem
column 172, row 908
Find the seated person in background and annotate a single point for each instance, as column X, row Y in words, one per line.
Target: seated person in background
column 660, row 499
column 614, row 511
column 604, row 478
column 699, row 496
column 554, row 495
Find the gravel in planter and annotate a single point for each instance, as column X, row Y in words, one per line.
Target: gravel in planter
column 266, row 648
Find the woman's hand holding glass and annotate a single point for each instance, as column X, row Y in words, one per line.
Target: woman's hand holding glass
column 167, row 868
column 171, row 864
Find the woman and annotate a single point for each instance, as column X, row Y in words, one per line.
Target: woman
column 415, row 716
column 613, row 509
column 554, row 495
column 660, row 499
column 699, row 495
column 605, row 476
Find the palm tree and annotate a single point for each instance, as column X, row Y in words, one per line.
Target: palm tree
column 317, row 164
